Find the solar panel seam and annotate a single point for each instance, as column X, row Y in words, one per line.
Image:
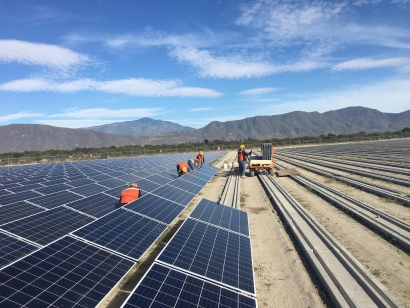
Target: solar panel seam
column 140, row 214
column 42, row 207
column 211, row 224
column 153, row 193
column 20, row 238
column 75, row 210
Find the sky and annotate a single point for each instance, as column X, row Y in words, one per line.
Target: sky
column 82, row 63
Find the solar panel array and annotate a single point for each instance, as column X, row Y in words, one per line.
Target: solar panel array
column 207, row 263
column 41, row 204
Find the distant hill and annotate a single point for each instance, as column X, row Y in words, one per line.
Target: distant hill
column 144, row 126
column 22, row 137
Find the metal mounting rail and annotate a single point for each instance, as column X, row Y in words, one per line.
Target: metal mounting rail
column 350, row 163
column 383, row 222
column 395, row 180
column 348, row 283
column 381, row 191
column 230, row 194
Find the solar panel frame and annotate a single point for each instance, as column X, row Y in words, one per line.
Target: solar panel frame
column 169, row 287
column 25, row 195
column 97, row 206
column 15, row 211
column 183, row 249
column 147, row 185
column 57, row 199
column 66, row 269
column 88, row 190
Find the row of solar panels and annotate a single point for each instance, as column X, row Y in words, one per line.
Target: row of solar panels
column 52, row 282
column 207, row 263
column 58, row 214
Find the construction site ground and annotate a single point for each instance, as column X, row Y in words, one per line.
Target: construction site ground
column 283, row 275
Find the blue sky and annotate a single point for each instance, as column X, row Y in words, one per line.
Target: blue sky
column 82, row 63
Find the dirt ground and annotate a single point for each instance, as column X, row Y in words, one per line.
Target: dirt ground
column 283, row 276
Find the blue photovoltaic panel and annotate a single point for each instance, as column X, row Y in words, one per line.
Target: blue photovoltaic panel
column 212, row 252
column 88, row 190
column 53, row 189
column 156, row 207
column 26, row 187
column 186, row 185
column 165, row 287
column 112, row 183
column 4, row 192
column 98, row 177
column 12, row 249
column 97, row 205
column 147, row 186
column 174, row 194
column 158, row 179
column 56, row 199
column 45, row 227
column 142, row 173
column 170, row 174
column 129, row 178
column 115, row 192
column 80, row 182
column 66, row 273
column 25, row 195
column 221, row 215
column 14, row 211
column 123, row 231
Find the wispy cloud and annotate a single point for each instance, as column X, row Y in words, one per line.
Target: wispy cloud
column 50, row 56
column 258, row 91
column 20, row 115
column 236, row 66
column 98, row 113
column 75, row 123
column 368, row 63
column 201, row 109
column 132, row 87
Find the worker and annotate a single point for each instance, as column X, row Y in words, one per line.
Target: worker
column 182, row 168
column 130, row 194
column 242, row 156
column 194, row 163
column 201, row 157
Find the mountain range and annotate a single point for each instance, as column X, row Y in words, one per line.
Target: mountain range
column 22, row 137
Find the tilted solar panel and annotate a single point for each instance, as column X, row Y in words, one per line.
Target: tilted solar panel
column 123, row 231
column 12, row 249
column 14, row 211
column 97, row 205
column 212, row 252
column 166, row 287
column 48, row 190
column 129, row 178
column 174, row 194
column 158, row 179
column 45, row 227
column 88, row 190
column 66, row 273
column 80, row 182
column 112, row 183
column 156, row 207
column 222, row 216
column 53, row 200
column 147, row 186
column 25, row 195
column 186, row 185
column 26, row 187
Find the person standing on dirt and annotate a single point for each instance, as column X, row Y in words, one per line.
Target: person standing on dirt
column 242, row 155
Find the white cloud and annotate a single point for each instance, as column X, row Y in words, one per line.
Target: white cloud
column 132, row 86
column 236, row 66
column 98, row 113
column 50, row 56
column 71, row 123
column 19, row 115
column 201, row 109
column 258, row 91
column 386, row 96
column 368, row 63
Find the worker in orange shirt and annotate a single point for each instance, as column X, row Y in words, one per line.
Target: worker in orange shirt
column 130, row 194
column 194, row 163
column 201, row 157
column 182, row 168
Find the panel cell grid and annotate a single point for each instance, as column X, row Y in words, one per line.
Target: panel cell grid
column 221, row 215
column 158, row 179
column 50, row 189
column 147, row 186
column 97, row 205
column 156, row 207
column 56, row 199
column 186, row 185
column 14, row 211
column 213, row 253
column 165, row 287
column 45, row 227
column 88, row 190
column 112, row 183
column 67, row 273
column 123, row 231
column 12, row 249
column 21, row 196
column 174, row 194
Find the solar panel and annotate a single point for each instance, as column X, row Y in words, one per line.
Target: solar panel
column 222, row 216
column 4, row 192
column 166, row 287
column 80, row 182
column 142, row 173
column 115, row 192
column 97, row 205
column 129, row 178
column 45, row 227
column 98, row 177
column 186, row 185
column 123, row 231
column 88, row 190
column 14, row 211
column 25, row 195
column 12, row 249
column 112, row 183
column 147, row 186
column 56, row 199
column 158, row 179
column 53, row 189
column 156, row 207
column 174, row 194
column 26, row 187
column 66, row 273
column 212, row 252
